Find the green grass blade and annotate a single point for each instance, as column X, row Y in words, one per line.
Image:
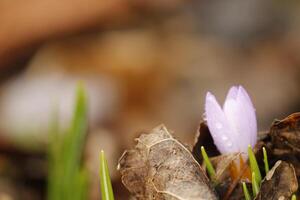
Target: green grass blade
column 78, row 128
column 81, row 186
column 254, row 166
column 73, row 144
column 266, row 160
column 105, row 183
column 67, row 181
column 53, row 158
column 246, row 192
column 294, row 197
column 255, row 187
column 210, row 168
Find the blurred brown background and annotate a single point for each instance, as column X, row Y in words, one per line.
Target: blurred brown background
column 143, row 63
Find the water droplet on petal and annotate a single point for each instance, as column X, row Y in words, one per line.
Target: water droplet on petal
column 218, row 125
column 229, row 144
column 224, row 138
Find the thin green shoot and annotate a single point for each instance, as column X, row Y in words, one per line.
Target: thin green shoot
column 209, row 166
column 294, row 197
column 254, row 166
column 105, row 182
column 246, row 192
column 67, row 179
column 266, row 160
column 255, row 187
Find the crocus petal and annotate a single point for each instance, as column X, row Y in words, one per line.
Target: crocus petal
column 250, row 116
column 232, row 93
column 219, row 126
column 240, row 113
column 234, row 115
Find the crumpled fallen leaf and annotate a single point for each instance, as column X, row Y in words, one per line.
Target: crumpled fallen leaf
column 285, row 134
column 280, row 183
column 283, row 142
column 162, row 168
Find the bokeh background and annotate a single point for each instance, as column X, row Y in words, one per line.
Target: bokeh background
column 143, row 63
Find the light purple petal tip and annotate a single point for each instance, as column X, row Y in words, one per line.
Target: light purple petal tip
column 232, row 93
column 250, row 115
column 218, row 125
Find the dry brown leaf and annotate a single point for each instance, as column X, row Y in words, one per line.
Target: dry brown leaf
column 280, row 183
column 222, row 163
column 160, row 167
column 285, row 134
column 282, row 142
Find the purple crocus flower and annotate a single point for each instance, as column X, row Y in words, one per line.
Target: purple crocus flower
column 234, row 127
